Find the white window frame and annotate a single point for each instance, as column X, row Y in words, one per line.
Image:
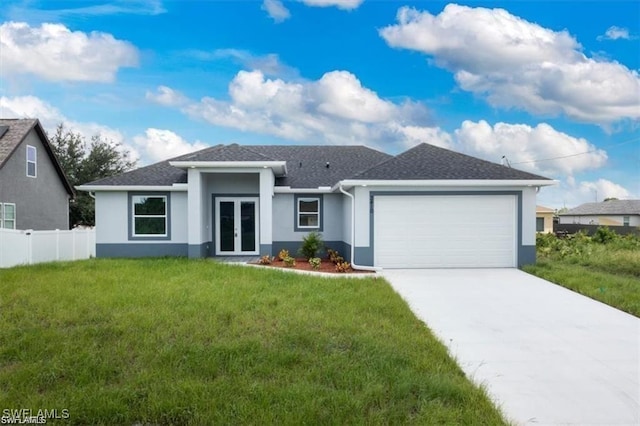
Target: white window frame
column 308, row 199
column 134, row 216
column 626, row 220
column 3, row 214
column 35, row 162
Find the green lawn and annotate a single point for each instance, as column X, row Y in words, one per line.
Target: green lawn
column 174, row 341
column 605, row 267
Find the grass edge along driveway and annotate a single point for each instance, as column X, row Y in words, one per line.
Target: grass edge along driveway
column 177, row 341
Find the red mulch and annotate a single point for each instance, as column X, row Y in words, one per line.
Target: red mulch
column 303, row 265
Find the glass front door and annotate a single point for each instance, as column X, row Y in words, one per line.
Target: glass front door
column 236, row 227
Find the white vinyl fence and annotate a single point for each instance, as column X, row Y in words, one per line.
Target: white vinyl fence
column 28, row 247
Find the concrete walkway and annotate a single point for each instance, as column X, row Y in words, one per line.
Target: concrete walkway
column 547, row 355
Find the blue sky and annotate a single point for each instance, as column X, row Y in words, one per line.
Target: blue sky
column 552, row 86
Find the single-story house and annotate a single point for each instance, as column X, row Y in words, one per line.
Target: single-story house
column 609, row 213
column 544, row 219
column 426, row 207
column 34, row 191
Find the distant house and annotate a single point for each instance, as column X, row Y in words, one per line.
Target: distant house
column 426, row 207
column 34, row 191
column 609, row 213
column 544, row 219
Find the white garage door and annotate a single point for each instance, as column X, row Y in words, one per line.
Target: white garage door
column 437, row 231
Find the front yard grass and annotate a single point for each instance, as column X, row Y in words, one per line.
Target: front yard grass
column 174, row 341
column 605, row 267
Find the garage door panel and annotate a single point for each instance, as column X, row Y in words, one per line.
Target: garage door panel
column 444, row 231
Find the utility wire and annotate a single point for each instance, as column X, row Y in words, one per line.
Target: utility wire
column 579, row 153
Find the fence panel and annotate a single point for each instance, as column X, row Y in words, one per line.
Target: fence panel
column 28, row 247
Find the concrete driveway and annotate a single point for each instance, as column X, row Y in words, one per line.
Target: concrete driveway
column 546, row 355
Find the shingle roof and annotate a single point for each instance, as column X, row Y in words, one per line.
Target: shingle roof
column 616, row 207
column 14, row 130
column 428, row 162
column 306, row 165
column 311, row 166
column 15, row 134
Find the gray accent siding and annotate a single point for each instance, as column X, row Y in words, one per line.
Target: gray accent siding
column 42, row 203
column 265, row 249
column 132, row 194
column 196, row 251
column 141, row 250
column 364, row 255
column 526, row 255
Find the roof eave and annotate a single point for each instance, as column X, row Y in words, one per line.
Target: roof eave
column 176, row 187
column 279, row 167
column 349, row 183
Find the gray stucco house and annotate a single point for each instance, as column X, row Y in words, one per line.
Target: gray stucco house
column 34, row 191
column 606, row 213
column 426, row 207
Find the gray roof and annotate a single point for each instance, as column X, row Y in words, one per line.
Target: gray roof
column 311, row 166
column 306, row 165
column 14, row 130
column 429, row 162
column 611, row 207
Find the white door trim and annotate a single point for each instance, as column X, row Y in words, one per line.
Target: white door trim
column 237, row 222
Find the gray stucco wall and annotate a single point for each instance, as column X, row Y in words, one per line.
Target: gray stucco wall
column 42, row 202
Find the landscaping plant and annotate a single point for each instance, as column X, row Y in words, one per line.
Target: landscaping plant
column 289, row 262
column 283, row 254
column 315, row 263
column 312, row 244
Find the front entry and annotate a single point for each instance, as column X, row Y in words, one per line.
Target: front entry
column 236, row 227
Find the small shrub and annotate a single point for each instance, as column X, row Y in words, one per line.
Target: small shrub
column 283, row 254
column 334, row 256
column 315, row 263
column 312, row 244
column 289, row 262
column 604, row 235
column 343, row 267
column 265, row 260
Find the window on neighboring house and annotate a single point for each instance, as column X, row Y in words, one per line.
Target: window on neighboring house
column 8, row 215
column 539, row 224
column 32, row 161
column 149, row 215
column 625, row 220
column 308, row 213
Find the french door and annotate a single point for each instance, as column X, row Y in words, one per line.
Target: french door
column 236, row 226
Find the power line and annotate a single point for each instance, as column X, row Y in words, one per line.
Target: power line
column 579, row 153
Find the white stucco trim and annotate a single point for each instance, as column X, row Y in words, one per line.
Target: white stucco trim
column 289, row 190
column 349, row 183
column 279, row 167
column 119, row 188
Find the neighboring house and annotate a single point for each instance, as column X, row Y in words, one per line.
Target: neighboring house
column 544, row 219
column 34, row 191
column 609, row 213
column 426, row 207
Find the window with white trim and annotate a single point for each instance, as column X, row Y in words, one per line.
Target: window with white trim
column 626, row 220
column 149, row 215
column 308, row 213
column 32, row 161
column 8, row 215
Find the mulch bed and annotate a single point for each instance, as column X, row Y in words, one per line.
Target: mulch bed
column 303, row 265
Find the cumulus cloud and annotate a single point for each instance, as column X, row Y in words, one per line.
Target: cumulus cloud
column 55, row 53
column 270, row 64
column 166, row 96
column 616, row 33
column 341, row 4
column 276, row 10
column 571, row 193
column 540, row 149
column 50, row 117
column 516, row 63
column 159, row 144
column 335, row 109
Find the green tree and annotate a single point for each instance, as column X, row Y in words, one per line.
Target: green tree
column 84, row 162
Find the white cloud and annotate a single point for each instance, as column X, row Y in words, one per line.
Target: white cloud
column 276, row 10
column 516, row 63
column 50, row 117
column 166, row 96
column 55, row 53
column 270, row 64
column 524, row 146
column 335, row 109
column 161, row 144
column 616, row 33
column 571, row 193
column 117, row 7
column 340, row 4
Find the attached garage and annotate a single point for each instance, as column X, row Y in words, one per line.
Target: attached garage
column 445, row 231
